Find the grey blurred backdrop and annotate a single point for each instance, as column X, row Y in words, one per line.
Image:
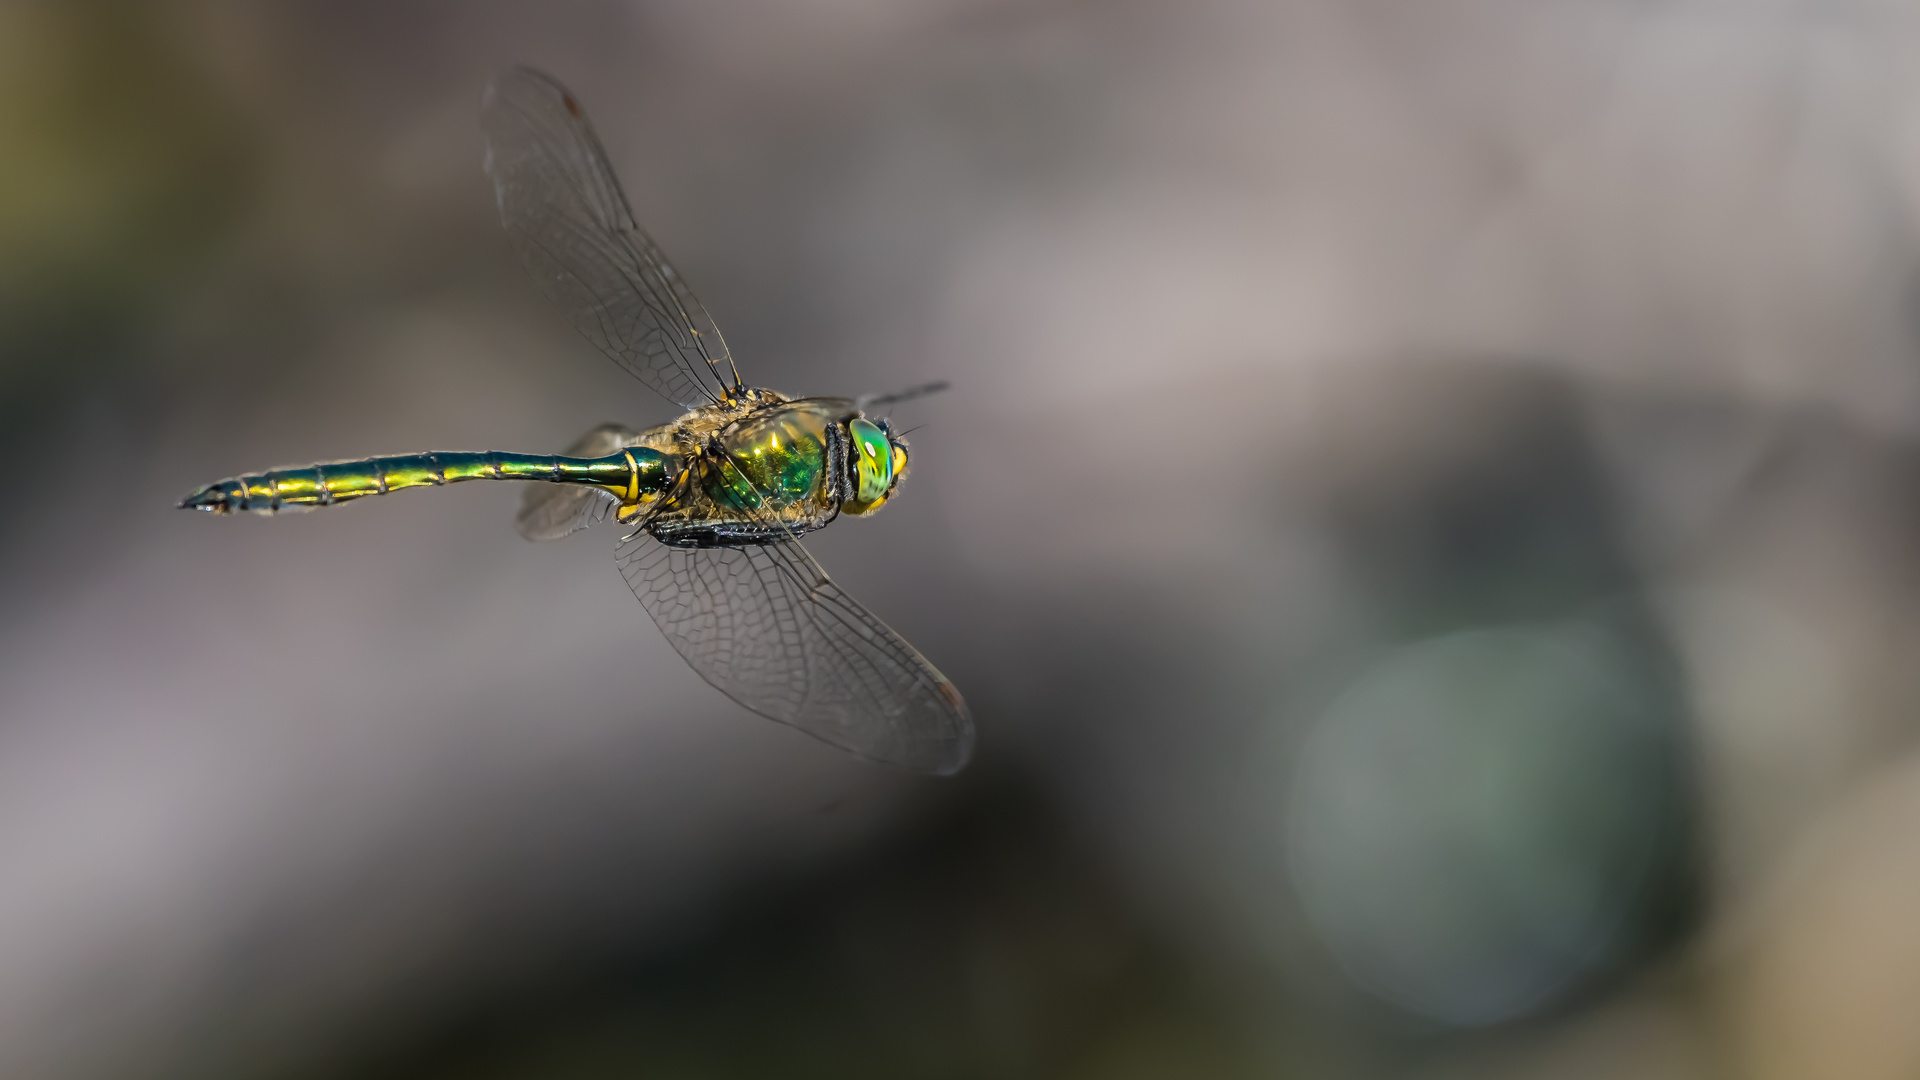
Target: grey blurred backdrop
column 1425, row 519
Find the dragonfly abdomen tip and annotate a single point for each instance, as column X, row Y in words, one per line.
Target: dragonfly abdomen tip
column 209, row 498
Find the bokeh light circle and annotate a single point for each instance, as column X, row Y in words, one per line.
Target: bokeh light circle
column 1474, row 819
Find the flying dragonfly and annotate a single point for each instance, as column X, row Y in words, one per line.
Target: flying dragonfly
column 711, row 506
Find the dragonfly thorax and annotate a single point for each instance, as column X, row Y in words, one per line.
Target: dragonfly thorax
column 774, row 469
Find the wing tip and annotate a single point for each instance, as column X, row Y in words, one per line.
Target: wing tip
column 513, row 81
column 942, row 757
column 952, row 768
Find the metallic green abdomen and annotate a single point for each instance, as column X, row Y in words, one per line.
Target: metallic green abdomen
column 632, row 476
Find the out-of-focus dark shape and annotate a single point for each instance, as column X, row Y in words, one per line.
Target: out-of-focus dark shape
column 987, row 944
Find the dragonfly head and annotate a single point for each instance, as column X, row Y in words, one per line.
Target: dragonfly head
column 876, row 460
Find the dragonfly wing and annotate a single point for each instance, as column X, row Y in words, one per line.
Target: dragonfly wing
column 573, row 230
column 554, row 511
column 764, row 626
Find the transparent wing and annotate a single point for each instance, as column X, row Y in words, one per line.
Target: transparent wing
column 570, row 224
column 766, row 627
column 554, row 511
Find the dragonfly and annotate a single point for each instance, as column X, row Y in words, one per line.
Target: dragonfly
column 711, row 506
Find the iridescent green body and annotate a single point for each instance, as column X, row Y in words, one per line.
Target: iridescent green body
column 629, row 475
column 760, row 468
column 756, row 468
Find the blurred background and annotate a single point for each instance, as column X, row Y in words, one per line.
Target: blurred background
column 1424, row 519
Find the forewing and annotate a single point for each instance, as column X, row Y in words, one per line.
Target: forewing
column 554, row 511
column 573, row 230
column 764, row 626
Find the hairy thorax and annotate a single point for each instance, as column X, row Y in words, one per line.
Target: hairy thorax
column 762, row 468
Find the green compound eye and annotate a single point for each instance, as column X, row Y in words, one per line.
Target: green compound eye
column 873, row 466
